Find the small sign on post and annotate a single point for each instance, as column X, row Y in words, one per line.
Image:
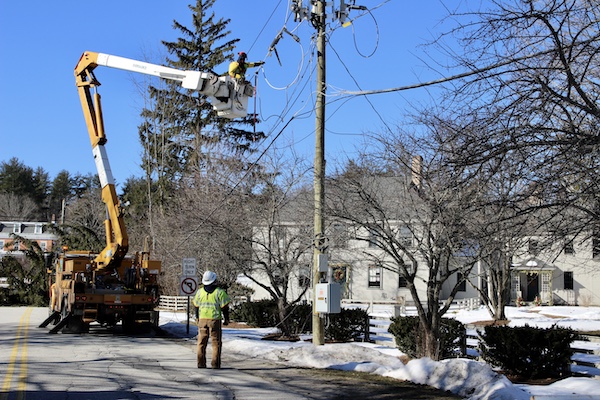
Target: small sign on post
column 188, row 267
column 188, row 283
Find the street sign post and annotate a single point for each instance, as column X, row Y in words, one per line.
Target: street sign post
column 188, row 286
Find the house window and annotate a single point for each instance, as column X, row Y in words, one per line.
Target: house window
column 304, row 277
column 17, row 228
column 38, row 228
column 43, row 245
column 405, row 236
column 16, row 245
column 568, row 280
column 461, row 282
column 402, row 282
column 596, row 245
column 569, row 249
column 280, row 235
column 339, row 234
column 533, row 247
column 372, row 239
column 1, row 245
column 375, row 276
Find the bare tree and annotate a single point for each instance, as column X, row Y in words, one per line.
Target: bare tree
column 203, row 220
column 414, row 218
column 281, row 238
column 15, row 207
column 536, row 100
column 522, row 126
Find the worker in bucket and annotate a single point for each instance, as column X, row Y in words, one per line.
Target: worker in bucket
column 213, row 304
column 237, row 69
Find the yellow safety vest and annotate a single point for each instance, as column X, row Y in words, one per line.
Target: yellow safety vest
column 210, row 304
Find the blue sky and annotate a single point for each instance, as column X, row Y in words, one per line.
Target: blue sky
column 41, row 122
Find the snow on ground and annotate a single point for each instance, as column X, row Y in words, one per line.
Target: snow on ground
column 470, row 379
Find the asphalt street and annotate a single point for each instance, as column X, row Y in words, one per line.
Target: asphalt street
column 103, row 365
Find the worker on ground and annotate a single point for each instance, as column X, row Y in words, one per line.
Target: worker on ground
column 212, row 303
column 237, row 69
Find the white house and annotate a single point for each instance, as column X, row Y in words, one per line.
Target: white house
column 561, row 274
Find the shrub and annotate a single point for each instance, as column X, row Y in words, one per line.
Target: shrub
column 348, row 325
column 527, row 352
column 262, row 313
column 409, row 336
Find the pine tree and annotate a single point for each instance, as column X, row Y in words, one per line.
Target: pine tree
column 180, row 128
column 26, row 184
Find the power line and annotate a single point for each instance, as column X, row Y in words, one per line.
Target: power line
column 445, row 79
column 264, row 26
column 358, row 86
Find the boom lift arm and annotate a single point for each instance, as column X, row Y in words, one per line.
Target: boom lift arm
column 228, row 96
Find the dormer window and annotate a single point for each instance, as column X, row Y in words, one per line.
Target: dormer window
column 38, row 229
column 17, row 228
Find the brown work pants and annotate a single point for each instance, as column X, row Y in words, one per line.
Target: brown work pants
column 212, row 328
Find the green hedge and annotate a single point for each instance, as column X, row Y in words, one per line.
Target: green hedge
column 262, row 313
column 346, row 326
column 408, row 335
column 528, row 352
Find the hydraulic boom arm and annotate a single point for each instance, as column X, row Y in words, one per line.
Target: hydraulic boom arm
column 229, row 98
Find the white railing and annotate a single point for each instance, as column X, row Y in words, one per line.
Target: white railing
column 403, row 307
column 173, row 303
column 468, row 304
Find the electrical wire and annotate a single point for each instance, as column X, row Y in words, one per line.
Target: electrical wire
column 264, row 26
column 358, row 86
column 300, row 65
column 376, row 40
column 288, row 107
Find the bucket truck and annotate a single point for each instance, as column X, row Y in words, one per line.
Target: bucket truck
column 112, row 287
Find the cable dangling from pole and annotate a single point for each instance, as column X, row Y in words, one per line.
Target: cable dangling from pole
column 255, row 95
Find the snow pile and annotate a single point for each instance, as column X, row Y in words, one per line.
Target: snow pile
column 467, row 378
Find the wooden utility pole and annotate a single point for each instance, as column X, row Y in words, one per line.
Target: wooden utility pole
column 319, row 172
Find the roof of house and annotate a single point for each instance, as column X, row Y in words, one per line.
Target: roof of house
column 28, row 230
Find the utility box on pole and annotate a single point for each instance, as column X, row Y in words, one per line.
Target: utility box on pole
column 328, row 298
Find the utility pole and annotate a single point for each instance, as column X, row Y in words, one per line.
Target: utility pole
column 319, row 170
column 317, row 15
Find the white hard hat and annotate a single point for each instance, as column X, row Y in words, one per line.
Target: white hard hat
column 208, row 278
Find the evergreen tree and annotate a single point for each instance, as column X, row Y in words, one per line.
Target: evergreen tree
column 62, row 189
column 181, row 127
column 26, row 277
column 25, row 183
column 41, row 187
column 16, row 178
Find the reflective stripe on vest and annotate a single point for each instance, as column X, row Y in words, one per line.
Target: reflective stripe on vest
column 210, row 304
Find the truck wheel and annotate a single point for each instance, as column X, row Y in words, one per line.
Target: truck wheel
column 128, row 323
column 76, row 325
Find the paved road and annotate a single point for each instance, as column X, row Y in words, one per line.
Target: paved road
column 102, row 365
